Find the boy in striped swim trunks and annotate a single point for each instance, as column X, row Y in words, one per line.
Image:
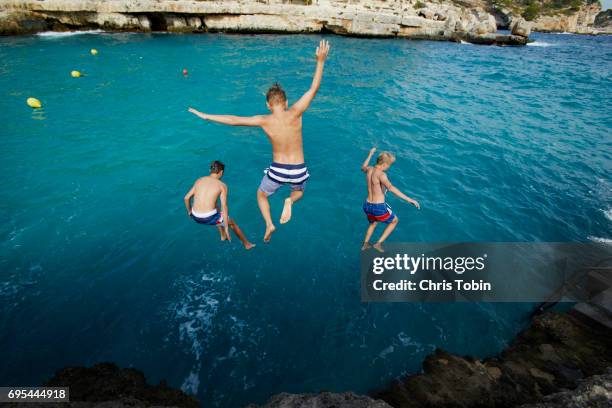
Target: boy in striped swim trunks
column 205, row 193
column 284, row 129
column 375, row 207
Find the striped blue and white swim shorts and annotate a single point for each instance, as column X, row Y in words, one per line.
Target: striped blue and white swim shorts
column 278, row 174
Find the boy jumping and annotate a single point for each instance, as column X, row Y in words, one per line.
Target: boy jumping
column 375, row 207
column 205, row 192
column 284, row 129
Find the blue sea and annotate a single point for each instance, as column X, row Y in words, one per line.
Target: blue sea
column 99, row 261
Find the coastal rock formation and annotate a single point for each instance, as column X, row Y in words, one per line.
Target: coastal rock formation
column 520, row 27
column 322, row 400
column 106, row 385
column 557, row 362
column 603, row 19
column 555, row 16
column 378, row 18
column 581, row 22
column 554, row 353
column 593, row 392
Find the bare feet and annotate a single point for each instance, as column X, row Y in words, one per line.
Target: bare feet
column 286, row 214
column 378, row 246
column 249, row 245
column 269, row 230
column 366, row 245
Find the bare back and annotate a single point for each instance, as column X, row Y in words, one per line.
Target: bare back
column 206, row 192
column 376, row 188
column 284, row 129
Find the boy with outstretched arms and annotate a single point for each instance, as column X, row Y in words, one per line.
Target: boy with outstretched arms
column 284, row 130
column 205, row 193
column 375, row 207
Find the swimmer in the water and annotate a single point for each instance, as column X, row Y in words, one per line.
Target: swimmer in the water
column 375, row 207
column 284, row 129
column 205, row 193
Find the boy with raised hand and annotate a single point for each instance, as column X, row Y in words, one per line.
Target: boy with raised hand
column 284, row 130
column 375, row 206
column 205, row 193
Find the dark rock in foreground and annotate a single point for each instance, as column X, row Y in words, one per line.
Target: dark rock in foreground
column 107, row 386
column 322, row 400
column 594, row 392
column 493, row 39
column 553, row 354
column 106, row 382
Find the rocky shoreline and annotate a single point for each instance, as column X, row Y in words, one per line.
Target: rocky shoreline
column 561, row 360
column 473, row 21
column 561, row 357
column 449, row 20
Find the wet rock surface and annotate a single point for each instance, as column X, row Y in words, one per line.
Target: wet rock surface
column 554, row 353
column 322, row 400
column 105, row 385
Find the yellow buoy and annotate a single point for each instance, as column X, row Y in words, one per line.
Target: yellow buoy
column 75, row 74
column 94, row 51
column 33, row 103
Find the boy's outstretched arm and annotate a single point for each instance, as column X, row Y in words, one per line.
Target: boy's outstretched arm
column 304, row 102
column 188, row 200
column 225, row 210
column 385, row 181
column 231, row 120
column 366, row 163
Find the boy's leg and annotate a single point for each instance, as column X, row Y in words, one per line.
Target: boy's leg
column 293, row 197
column 232, row 224
column 388, row 230
column 264, row 207
column 221, row 232
column 267, row 187
column 368, row 235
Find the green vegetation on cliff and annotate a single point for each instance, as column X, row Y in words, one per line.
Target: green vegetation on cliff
column 532, row 9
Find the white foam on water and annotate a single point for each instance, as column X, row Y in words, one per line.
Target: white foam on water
column 388, row 350
column 406, row 340
column 608, row 213
column 600, row 240
column 465, row 42
column 58, row 34
column 540, row 44
column 194, row 313
column 191, row 383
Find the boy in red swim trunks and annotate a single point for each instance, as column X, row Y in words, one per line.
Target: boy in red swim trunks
column 205, row 193
column 375, row 207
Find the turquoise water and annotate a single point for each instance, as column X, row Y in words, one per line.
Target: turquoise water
column 99, row 262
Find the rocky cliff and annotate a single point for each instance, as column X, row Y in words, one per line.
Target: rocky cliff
column 570, row 16
column 440, row 20
column 444, row 20
column 559, row 359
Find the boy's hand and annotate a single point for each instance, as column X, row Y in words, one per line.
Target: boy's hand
column 322, row 51
column 197, row 113
column 372, row 150
column 416, row 204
